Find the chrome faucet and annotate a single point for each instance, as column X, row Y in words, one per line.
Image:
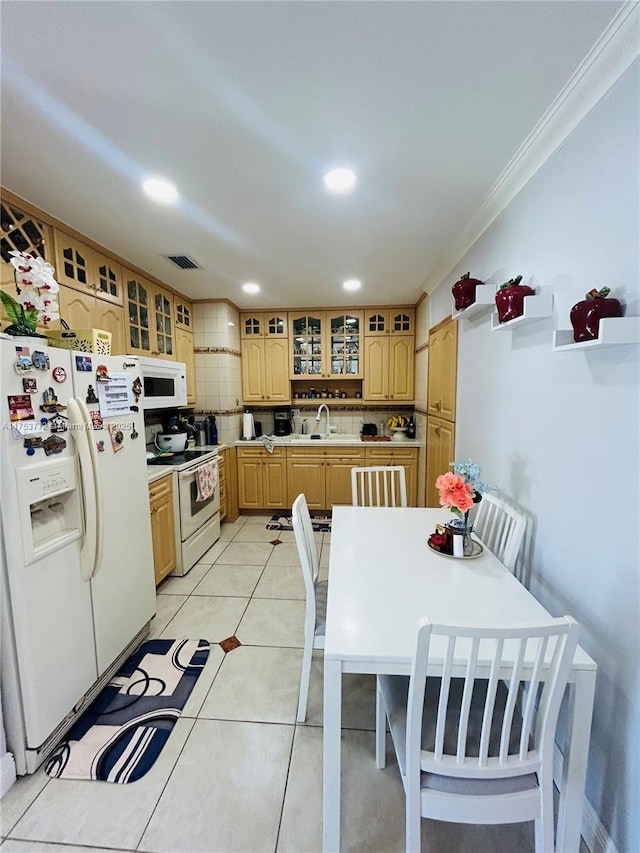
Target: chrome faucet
column 326, row 408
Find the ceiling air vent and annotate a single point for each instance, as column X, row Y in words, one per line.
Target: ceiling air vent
column 183, row 262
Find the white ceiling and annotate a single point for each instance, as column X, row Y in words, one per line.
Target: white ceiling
column 244, row 105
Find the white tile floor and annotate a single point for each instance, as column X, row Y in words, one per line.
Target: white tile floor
column 237, row 773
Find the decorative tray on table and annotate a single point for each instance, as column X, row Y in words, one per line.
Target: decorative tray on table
column 477, row 550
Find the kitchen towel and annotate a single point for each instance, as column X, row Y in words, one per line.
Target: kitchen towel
column 206, row 481
column 120, row 735
column 268, row 442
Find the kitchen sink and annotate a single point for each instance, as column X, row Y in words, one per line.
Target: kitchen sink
column 333, row 437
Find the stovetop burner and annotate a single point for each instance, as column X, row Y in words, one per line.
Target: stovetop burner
column 181, row 458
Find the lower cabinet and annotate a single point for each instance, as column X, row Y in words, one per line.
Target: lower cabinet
column 262, row 479
column 323, row 475
column 394, row 455
column 162, row 527
column 441, row 436
column 222, row 483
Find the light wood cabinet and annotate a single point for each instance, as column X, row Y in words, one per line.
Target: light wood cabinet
column 182, row 314
column 185, row 353
column 222, row 483
column 443, row 361
column 81, row 268
column 391, row 454
column 326, row 345
column 340, row 461
column 262, row 481
column 322, row 474
column 265, row 371
column 85, row 311
column 149, row 318
column 265, row 357
column 162, row 527
column 440, row 452
column 380, row 322
column 389, row 368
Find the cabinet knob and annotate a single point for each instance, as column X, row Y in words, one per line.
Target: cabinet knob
column 436, row 405
column 437, row 430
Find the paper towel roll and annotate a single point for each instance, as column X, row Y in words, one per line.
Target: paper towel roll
column 248, row 429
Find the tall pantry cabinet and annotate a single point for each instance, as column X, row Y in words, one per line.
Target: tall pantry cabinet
column 441, row 402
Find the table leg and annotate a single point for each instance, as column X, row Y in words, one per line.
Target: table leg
column 581, row 697
column 332, row 722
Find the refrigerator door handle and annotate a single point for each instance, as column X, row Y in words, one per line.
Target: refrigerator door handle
column 82, row 426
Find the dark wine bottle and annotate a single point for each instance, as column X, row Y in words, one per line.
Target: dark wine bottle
column 411, row 428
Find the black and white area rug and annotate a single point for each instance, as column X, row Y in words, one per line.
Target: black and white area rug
column 320, row 523
column 122, row 732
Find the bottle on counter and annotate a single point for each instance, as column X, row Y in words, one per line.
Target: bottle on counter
column 303, row 428
column 411, row 428
column 213, row 431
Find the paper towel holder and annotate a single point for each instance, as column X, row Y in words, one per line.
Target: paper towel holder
column 248, row 427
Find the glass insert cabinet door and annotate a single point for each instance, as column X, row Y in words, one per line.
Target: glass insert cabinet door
column 164, row 323
column 138, row 316
column 345, row 345
column 307, row 345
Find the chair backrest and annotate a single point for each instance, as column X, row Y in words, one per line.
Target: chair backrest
column 500, row 527
column 306, row 544
column 382, row 485
column 505, row 703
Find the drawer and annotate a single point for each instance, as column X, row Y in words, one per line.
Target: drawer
column 161, row 488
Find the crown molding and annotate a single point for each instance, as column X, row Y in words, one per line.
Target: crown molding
column 614, row 52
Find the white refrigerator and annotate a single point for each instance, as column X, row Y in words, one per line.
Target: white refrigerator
column 79, row 589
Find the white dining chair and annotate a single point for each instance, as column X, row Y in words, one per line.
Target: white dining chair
column 380, row 485
column 478, row 748
column 316, row 596
column 500, row 527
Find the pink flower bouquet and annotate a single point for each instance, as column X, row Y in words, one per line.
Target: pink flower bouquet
column 455, row 492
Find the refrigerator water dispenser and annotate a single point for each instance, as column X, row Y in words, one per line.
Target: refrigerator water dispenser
column 50, row 514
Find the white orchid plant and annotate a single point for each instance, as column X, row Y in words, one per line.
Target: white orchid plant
column 37, row 288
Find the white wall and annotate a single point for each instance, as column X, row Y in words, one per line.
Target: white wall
column 560, row 431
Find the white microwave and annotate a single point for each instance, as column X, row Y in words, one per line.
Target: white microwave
column 164, row 383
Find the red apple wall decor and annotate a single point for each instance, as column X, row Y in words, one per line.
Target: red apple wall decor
column 510, row 299
column 585, row 315
column 464, row 291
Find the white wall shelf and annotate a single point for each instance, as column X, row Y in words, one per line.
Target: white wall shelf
column 485, row 299
column 613, row 331
column 536, row 307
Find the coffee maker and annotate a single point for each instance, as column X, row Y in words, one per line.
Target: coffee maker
column 282, row 422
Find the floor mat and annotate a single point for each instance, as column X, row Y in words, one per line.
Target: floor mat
column 321, row 523
column 120, row 735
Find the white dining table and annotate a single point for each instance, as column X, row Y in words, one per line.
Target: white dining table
column 382, row 579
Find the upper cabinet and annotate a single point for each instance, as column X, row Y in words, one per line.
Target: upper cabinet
column 389, row 374
column 270, row 324
column 443, row 359
column 379, row 322
column 265, row 351
column 149, row 318
column 183, row 314
column 82, row 268
column 326, row 345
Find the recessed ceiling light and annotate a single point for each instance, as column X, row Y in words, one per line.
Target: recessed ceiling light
column 352, row 284
column 340, row 180
column 160, row 190
column 251, row 287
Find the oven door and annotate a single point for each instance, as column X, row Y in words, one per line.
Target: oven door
column 194, row 513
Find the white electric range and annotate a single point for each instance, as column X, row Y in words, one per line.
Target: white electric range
column 197, row 521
